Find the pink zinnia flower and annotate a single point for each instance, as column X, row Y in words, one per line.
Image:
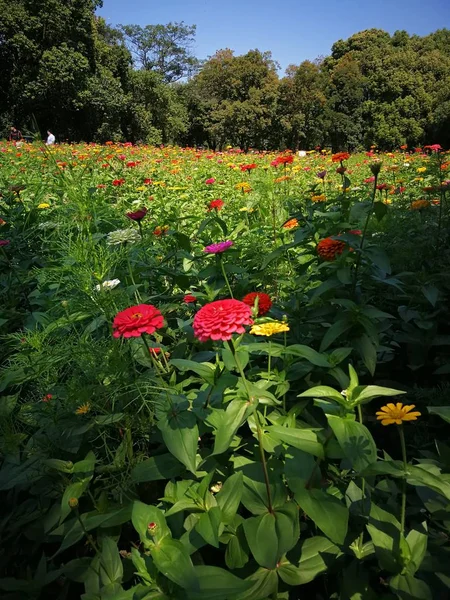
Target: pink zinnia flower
column 219, row 320
column 218, row 247
column 210, row 181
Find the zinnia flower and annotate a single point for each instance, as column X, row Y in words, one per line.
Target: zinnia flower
column 321, row 174
column 136, row 320
column 340, row 156
column 160, row 230
column 5, row 242
column 319, row 198
column 434, row 147
column 243, row 186
column 137, row 215
column 215, row 204
column 420, row 204
column 122, row 236
column 218, row 247
column 210, row 181
column 43, row 205
column 328, row 248
column 118, row 182
column 188, row 299
column 248, row 167
column 268, row 329
column 290, row 224
column 264, row 302
column 219, row 320
column 83, row 409
column 282, row 160
column 397, row 413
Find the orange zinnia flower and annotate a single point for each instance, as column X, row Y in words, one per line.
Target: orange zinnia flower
column 328, row 248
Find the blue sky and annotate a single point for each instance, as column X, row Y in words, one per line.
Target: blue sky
column 294, row 30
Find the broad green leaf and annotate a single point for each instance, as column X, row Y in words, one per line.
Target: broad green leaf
column 217, row 584
column 407, row 587
column 83, row 472
column 204, row 370
column 384, row 530
column 111, row 568
column 229, row 497
column 309, row 354
column 264, row 585
column 312, row 558
column 334, row 332
column 355, row 440
column 363, row 393
column 367, row 350
column 324, row 391
column 441, row 411
column 328, row 512
column 417, row 540
column 150, row 523
column 173, row 560
column 379, row 258
column 237, row 552
column 418, row 475
column 234, row 416
column 7, row 405
column 254, row 494
column 163, row 466
column 380, row 209
column 385, row 467
column 209, row 526
column 431, row 293
column 180, row 434
column 302, row 439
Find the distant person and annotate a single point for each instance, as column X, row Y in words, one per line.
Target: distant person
column 15, row 135
column 50, row 139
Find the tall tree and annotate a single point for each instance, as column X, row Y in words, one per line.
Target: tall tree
column 166, row 49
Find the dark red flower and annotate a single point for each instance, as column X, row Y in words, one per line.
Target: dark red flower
column 136, row 320
column 248, row 167
column 189, row 298
column 5, row 242
column 382, row 186
column 215, row 204
column 341, row 170
column 328, row 248
column 137, row 215
column 147, row 181
column 219, row 320
column 264, row 302
column 355, row 231
column 131, row 163
column 118, row 182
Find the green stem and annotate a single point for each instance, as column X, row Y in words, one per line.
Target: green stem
column 269, row 361
column 405, row 465
column 130, row 270
column 363, row 483
column 363, row 237
column 258, row 426
column 224, row 273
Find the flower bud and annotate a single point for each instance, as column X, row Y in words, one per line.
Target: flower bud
column 152, row 527
column 375, row 167
column 73, row 503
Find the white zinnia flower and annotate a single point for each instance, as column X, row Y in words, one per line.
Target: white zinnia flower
column 123, row 236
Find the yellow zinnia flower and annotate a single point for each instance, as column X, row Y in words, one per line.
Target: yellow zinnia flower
column 397, row 413
column 421, row 169
column 44, row 205
column 243, row 185
column 269, row 329
column 319, row 198
column 83, row 409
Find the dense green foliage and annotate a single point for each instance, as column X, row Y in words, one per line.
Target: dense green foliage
column 241, row 466
column 63, row 68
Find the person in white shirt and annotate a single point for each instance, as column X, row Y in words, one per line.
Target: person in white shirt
column 50, row 139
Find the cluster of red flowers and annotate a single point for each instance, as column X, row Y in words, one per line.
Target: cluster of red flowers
column 264, row 302
column 215, row 205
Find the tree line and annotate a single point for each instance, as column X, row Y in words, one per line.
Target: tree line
column 65, row 69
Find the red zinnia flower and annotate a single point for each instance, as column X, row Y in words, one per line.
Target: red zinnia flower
column 264, row 302
column 248, row 167
column 136, row 320
column 282, row 160
column 147, row 181
column 382, row 186
column 215, row 204
column 340, row 156
column 189, row 298
column 341, row 170
column 210, row 181
column 219, row 320
column 328, row 248
column 355, row 231
column 155, row 351
column 138, row 215
column 118, row 182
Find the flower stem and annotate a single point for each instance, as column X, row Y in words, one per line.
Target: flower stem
column 405, row 465
column 130, row 270
column 363, row 484
column 224, row 273
column 258, row 427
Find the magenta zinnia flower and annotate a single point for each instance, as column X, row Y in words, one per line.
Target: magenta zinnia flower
column 218, row 247
column 7, row 242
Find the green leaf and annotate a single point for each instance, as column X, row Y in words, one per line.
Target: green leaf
column 319, row 360
column 418, row 475
column 431, row 293
column 180, row 434
column 363, row 393
column 384, row 530
column 407, row 587
column 328, row 513
column 229, row 497
column 302, row 439
column 367, row 350
column 163, row 466
column 265, row 584
column 83, row 472
column 237, row 552
column 7, row 405
column 271, row 535
column 173, row 560
column 111, row 568
column 324, row 391
column 385, row 467
column 218, row 584
column 254, row 494
column 379, row 258
column 355, row 440
column 417, row 541
column 441, row 411
column 313, row 557
column 234, row 416
column 142, row 516
column 334, row 332
column 205, row 370
column 380, row 209
column 209, row 526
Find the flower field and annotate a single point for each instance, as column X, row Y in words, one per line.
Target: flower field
column 224, row 375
